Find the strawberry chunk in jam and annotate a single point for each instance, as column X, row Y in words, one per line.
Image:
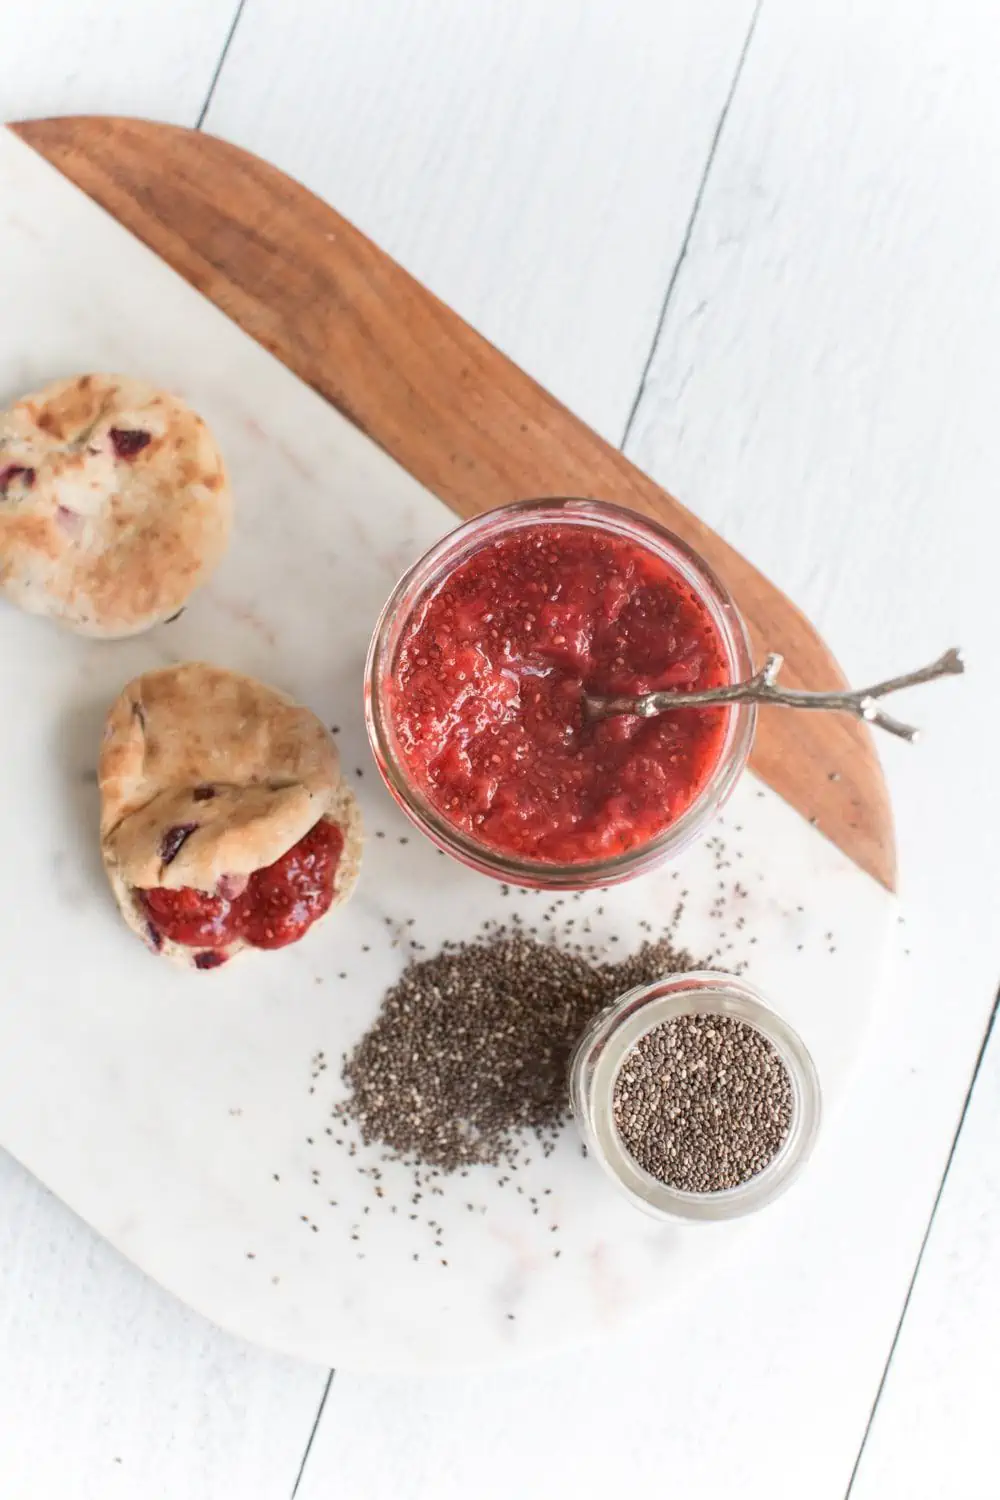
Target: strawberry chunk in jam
column 191, row 917
column 282, row 901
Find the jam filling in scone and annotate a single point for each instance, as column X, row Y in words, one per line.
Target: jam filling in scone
column 270, row 909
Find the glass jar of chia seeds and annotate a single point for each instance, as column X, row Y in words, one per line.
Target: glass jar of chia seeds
column 695, row 1097
column 476, row 687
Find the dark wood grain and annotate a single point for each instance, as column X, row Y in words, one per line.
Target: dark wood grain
column 447, row 405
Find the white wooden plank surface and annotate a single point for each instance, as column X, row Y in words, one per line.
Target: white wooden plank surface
column 853, row 190
column 821, row 392
column 109, row 1388
column 934, row 1432
column 128, row 57
column 534, row 164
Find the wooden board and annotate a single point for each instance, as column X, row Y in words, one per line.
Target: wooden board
column 452, row 410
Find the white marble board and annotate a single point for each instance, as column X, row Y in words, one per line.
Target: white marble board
column 173, row 1111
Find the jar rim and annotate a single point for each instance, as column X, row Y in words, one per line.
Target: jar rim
column 427, row 574
column 611, row 1036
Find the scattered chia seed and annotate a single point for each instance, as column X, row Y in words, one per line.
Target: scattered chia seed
column 470, row 1048
column 703, row 1102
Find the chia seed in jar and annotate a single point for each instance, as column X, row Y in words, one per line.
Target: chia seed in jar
column 703, row 1102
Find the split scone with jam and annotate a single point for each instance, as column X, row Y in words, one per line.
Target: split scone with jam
column 225, row 822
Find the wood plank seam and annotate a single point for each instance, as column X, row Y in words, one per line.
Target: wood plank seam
column 987, row 1034
column 692, row 218
column 312, row 1435
column 214, row 81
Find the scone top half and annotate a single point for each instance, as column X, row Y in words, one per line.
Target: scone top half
column 207, row 778
column 114, row 504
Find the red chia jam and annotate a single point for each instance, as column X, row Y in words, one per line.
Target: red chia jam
column 487, row 688
column 279, row 904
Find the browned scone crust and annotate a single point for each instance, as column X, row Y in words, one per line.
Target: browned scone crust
column 239, row 764
column 108, row 542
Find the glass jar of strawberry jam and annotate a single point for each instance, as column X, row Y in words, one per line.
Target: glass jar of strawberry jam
column 475, row 683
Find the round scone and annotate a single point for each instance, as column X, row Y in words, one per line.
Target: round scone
column 225, row 823
column 114, row 504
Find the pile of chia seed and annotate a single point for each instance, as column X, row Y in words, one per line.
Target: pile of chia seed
column 470, row 1049
column 703, row 1102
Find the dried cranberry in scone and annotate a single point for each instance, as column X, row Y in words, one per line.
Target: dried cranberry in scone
column 127, row 443
column 225, row 824
column 10, row 472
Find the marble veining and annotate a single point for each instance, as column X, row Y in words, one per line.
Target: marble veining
column 178, row 1113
